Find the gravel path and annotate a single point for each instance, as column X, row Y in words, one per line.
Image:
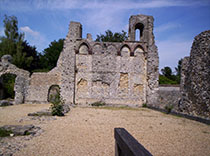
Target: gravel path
column 90, row 131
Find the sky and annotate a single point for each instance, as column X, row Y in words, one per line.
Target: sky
column 176, row 22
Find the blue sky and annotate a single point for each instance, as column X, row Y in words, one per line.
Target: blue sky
column 176, row 23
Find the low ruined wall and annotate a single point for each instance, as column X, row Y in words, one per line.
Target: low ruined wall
column 169, row 96
column 21, row 81
column 39, row 87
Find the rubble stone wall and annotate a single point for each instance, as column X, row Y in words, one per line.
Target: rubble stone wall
column 124, row 73
column 169, row 96
column 21, row 81
column 104, row 75
column 39, row 86
column 115, row 73
column 195, row 82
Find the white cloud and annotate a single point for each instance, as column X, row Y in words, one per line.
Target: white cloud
column 35, row 38
column 171, row 51
column 20, row 5
column 28, row 30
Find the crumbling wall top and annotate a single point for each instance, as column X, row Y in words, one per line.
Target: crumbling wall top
column 141, row 22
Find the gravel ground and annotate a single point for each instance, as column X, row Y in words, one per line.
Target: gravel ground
column 90, row 131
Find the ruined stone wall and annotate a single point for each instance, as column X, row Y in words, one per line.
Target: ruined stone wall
column 21, row 81
column 111, row 72
column 195, row 81
column 124, row 73
column 116, row 73
column 169, row 96
column 39, row 85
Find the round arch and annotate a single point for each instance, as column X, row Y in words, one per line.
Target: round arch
column 53, row 92
column 21, row 81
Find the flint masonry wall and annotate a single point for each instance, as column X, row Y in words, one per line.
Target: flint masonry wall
column 116, row 73
column 110, row 76
column 120, row 73
column 40, row 84
column 195, row 78
column 21, row 81
column 169, row 96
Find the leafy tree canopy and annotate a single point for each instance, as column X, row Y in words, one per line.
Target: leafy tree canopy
column 167, row 72
column 112, row 37
column 178, row 68
column 51, row 54
column 168, row 77
column 13, row 43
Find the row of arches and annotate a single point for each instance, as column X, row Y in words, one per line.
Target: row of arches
column 98, row 48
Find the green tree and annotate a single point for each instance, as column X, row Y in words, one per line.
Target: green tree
column 31, row 52
column 51, row 54
column 112, row 37
column 178, row 68
column 12, row 43
column 167, row 72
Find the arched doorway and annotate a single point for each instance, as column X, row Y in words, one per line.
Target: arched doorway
column 7, row 83
column 53, row 93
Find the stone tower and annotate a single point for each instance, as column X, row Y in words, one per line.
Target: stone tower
column 145, row 24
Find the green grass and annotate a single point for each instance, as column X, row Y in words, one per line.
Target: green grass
column 98, row 103
column 4, row 133
column 39, row 114
column 168, row 108
column 122, row 108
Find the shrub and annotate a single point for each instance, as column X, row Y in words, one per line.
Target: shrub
column 98, row 103
column 57, row 106
column 144, row 105
column 168, row 108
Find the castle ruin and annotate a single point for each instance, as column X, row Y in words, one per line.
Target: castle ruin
column 117, row 73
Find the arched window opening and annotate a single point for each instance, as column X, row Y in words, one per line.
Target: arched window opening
column 137, row 35
column 139, row 28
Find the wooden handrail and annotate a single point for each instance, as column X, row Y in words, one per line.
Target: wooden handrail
column 127, row 145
